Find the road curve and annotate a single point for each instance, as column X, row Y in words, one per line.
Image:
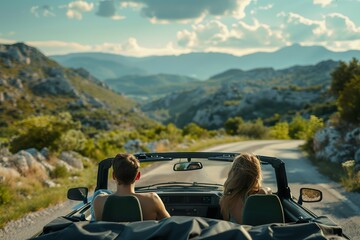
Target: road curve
column 342, row 207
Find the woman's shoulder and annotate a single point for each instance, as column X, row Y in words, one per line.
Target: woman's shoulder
column 265, row 190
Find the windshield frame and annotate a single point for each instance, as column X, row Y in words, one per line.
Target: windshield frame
column 277, row 164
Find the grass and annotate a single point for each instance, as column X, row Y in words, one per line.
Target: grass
column 351, row 180
column 341, row 173
column 32, row 197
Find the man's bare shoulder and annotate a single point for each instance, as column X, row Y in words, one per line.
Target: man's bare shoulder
column 148, row 195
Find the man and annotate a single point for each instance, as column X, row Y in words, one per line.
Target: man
column 125, row 173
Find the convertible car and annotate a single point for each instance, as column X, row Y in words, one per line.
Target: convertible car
column 190, row 185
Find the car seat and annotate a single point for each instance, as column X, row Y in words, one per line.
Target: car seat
column 262, row 209
column 122, row 209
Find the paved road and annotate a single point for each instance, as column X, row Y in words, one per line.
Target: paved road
column 342, row 207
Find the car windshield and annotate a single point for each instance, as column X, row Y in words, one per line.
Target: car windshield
column 160, row 175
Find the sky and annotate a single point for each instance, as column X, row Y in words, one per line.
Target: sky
column 173, row 27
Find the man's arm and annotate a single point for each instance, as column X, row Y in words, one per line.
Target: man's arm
column 98, row 204
column 161, row 211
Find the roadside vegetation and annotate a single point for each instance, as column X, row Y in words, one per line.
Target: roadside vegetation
column 345, row 88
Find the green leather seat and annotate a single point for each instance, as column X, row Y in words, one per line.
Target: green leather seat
column 262, row 209
column 122, row 209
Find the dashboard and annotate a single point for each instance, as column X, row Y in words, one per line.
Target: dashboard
column 198, row 204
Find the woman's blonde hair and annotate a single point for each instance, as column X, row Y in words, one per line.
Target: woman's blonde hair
column 244, row 178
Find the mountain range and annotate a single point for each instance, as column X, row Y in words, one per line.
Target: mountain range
column 258, row 93
column 31, row 83
column 199, row 65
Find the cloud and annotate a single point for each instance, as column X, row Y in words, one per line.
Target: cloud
column 299, row 29
column 77, row 8
column 107, row 9
column 267, row 7
column 323, row 3
column 59, row 47
column 332, row 27
column 216, row 35
column 185, row 11
column 42, row 11
column 7, row 41
column 340, row 27
column 130, row 47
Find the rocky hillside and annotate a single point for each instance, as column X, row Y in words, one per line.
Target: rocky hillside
column 32, row 84
column 258, row 93
column 34, row 87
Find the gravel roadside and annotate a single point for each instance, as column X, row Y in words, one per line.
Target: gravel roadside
column 32, row 223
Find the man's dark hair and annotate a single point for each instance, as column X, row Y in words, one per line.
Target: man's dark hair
column 125, row 168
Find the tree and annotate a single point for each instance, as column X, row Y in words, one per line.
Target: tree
column 232, row 124
column 344, row 74
column 349, row 101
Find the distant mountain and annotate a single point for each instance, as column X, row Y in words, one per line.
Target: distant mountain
column 257, row 93
column 303, row 76
column 32, row 84
column 102, row 66
column 200, row 65
column 151, row 86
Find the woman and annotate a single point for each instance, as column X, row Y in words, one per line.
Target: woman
column 244, row 179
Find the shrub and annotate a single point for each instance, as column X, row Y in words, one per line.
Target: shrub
column 59, row 171
column 297, row 127
column 280, row 131
column 232, row 124
column 195, row 131
column 255, row 129
column 71, row 140
column 42, row 131
column 312, row 126
column 5, row 194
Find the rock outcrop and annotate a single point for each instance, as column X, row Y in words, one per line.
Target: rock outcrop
column 338, row 145
column 32, row 161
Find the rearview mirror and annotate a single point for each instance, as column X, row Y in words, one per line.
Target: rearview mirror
column 78, row 194
column 187, row 166
column 309, row 195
